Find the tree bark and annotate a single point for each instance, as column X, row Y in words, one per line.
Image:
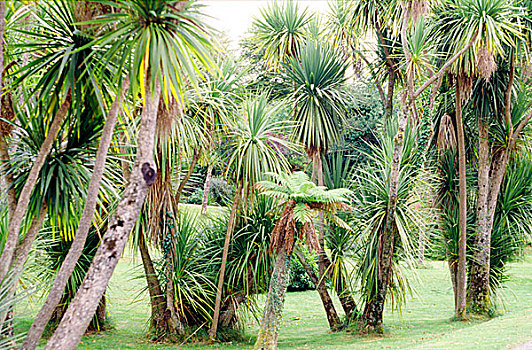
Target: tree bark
column 16, row 220
column 205, row 200
column 144, row 173
column 219, row 290
column 478, row 297
column 461, row 280
column 85, row 222
column 157, row 322
column 273, row 310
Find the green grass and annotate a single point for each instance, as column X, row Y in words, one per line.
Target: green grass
column 424, row 324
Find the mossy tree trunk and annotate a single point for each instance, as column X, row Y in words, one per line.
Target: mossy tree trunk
column 273, row 310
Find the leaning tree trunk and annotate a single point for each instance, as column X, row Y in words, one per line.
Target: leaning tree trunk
column 330, row 310
column 25, row 195
column 206, row 187
column 460, row 306
column 179, row 191
column 273, row 310
column 144, row 173
column 219, row 290
column 85, row 222
column 344, row 294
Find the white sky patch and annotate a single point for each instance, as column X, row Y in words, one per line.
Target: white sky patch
column 234, row 17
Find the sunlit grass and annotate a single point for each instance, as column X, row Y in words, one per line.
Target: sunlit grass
column 424, row 324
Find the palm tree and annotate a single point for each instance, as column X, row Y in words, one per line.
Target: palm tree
column 371, row 202
column 318, row 76
column 258, row 147
column 302, row 201
column 490, row 26
column 280, row 32
column 167, row 44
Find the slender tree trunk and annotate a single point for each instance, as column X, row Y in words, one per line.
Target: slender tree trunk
column 330, row 310
column 320, row 287
column 195, row 158
column 344, row 294
column 273, row 310
column 144, row 173
column 24, row 248
column 22, row 205
column 85, row 222
column 219, row 290
column 461, row 280
column 158, row 308
column 205, row 200
column 389, row 97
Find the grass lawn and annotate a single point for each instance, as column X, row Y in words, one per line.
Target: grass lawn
column 424, row 324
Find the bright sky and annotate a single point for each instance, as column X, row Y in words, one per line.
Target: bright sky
column 234, row 17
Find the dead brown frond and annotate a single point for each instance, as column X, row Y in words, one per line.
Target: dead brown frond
column 308, row 232
column 466, row 83
column 486, row 64
column 446, row 135
column 167, row 116
column 7, row 113
column 89, row 10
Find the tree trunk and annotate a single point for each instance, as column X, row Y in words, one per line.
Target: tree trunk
column 330, row 310
column 97, row 321
column 478, row 297
column 389, row 97
column 460, row 306
column 16, row 220
column 348, row 304
column 85, row 222
column 157, row 301
column 205, row 200
column 80, row 312
column 373, row 312
column 479, row 287
column 195, row 158
column 344, row 294
column 24, row 248
column 374, row 309
column 219, row 290
column 273, row 310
